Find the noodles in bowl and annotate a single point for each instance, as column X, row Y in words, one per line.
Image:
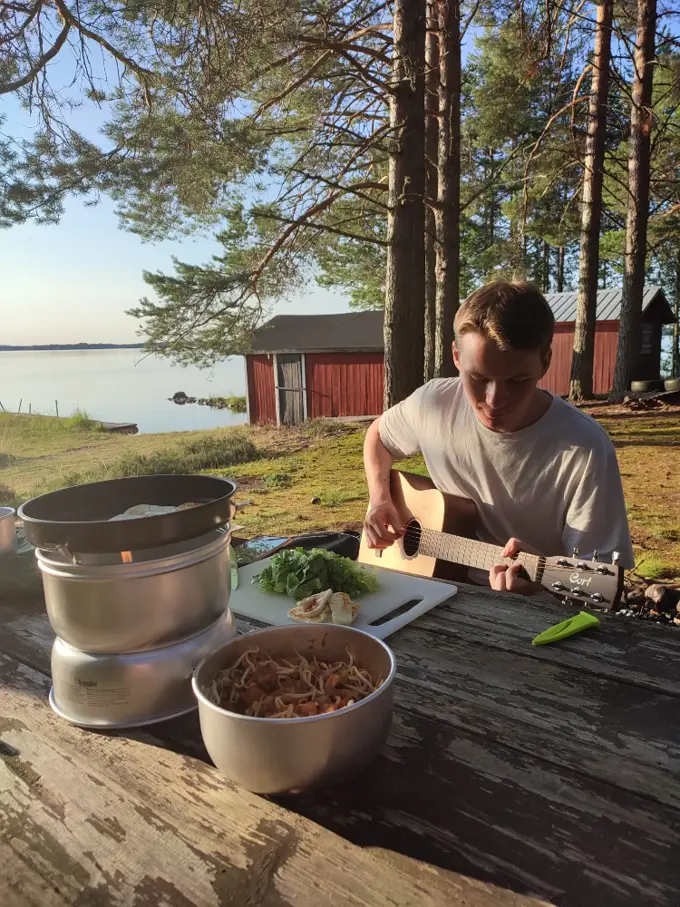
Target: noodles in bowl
column 289, row 708
column 261, row 686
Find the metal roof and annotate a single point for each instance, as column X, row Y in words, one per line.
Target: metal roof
column 608, row 303
column 364, row 330
column 320, row 333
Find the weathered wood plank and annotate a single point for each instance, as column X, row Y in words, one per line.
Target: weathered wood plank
column 472, row 806
column 644, row 655
column 89, row 819
column 613, row 732
column 623, row 735
column 637, row 653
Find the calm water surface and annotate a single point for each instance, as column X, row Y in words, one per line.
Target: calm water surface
column 119, row 386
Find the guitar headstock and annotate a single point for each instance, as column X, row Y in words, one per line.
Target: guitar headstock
column 589, row 582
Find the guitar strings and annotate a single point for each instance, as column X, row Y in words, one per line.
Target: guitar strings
column 414, row 534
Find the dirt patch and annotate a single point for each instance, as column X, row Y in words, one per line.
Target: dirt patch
column 601, row 409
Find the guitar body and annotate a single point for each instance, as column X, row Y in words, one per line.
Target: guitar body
column 440, row 537
column 416, row 498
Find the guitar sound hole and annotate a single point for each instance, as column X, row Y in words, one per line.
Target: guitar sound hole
column 412, row 538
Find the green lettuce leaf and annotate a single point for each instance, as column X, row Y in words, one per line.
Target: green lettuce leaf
column 299, row 573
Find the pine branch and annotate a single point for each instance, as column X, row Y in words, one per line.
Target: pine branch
column 40, row 63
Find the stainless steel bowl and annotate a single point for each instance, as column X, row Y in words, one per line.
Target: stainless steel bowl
column 119, row 691
column 274, row 755
column 101, row 605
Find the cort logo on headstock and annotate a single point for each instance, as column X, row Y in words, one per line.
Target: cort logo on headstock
column 579, row 579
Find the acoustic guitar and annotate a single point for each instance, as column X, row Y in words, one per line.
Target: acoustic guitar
column 440, row 542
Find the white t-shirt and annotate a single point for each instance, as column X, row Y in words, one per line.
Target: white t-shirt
column 553, row 485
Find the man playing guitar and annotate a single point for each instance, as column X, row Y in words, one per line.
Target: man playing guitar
column 543, row 475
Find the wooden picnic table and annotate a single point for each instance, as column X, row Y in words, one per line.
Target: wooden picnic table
column 514, row 775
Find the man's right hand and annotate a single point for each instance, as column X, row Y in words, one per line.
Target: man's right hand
column 382, row 525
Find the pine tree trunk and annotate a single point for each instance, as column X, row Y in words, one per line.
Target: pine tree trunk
column 447, row 211
column 581, row 384
column 404, row 330
column 431, row 125
column 490, row 206
column 635, row 254
column 675, row 371
column 546, row 267
column 560, row 269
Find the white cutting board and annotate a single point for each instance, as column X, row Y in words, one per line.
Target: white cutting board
column 394, row 590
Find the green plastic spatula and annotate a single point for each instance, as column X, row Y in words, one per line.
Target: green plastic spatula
column 575, row 624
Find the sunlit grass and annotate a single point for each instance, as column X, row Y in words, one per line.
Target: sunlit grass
column 311, row 478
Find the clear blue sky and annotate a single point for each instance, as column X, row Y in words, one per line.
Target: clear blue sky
column 73, row 281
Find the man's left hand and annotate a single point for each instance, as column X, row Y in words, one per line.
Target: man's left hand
column 504, row 578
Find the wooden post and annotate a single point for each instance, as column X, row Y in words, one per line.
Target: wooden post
column 20, row 402
column 56, row 406
column 29, row 409
column 2, row 407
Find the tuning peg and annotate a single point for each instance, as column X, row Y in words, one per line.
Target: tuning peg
column 596, row 555
column 596, row 597
column 575, row 591
column 558, row 587
column 575, row 551
column 616, row 557
column 581, row 565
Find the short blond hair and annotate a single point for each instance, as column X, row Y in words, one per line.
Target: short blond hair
column 516, row 316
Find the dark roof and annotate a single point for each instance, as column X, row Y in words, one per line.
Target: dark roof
column 320, row 333
column 364, row 330
column 608, row 304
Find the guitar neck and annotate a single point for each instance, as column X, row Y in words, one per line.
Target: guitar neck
column 472, row 553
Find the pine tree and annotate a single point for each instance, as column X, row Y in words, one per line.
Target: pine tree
column 635, row 252
column 581, row 384
column 404, row 326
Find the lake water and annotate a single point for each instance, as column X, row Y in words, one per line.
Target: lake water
column 119, row 386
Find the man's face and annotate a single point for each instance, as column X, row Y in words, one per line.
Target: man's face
column 500, row 385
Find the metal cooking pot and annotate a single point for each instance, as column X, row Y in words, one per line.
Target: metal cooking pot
column 275, row 755
column 7, row 530
column 103, row 605
column 109, row 692
column 80, row 518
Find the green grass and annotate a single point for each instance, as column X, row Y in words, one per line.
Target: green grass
column 277, row 480
column 311, row 477
column 213, row 452
column 23, row 433
column 657, row 568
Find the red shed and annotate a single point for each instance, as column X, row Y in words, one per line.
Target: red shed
column 306, row 366
column 655, row 313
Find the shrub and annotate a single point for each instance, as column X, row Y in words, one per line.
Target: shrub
column 237, row 404
column 217, row 451
column 9, row 498
column 79, row 420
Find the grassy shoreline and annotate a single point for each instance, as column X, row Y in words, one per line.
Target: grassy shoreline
column 311, row 477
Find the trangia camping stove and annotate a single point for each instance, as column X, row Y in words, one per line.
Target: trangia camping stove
column 132, row 622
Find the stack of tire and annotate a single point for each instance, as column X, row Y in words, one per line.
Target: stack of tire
column 670, row 385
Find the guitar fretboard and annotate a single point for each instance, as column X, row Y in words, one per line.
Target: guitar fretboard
column 469, row 552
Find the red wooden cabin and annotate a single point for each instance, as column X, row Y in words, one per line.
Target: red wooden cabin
column 306, row 366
